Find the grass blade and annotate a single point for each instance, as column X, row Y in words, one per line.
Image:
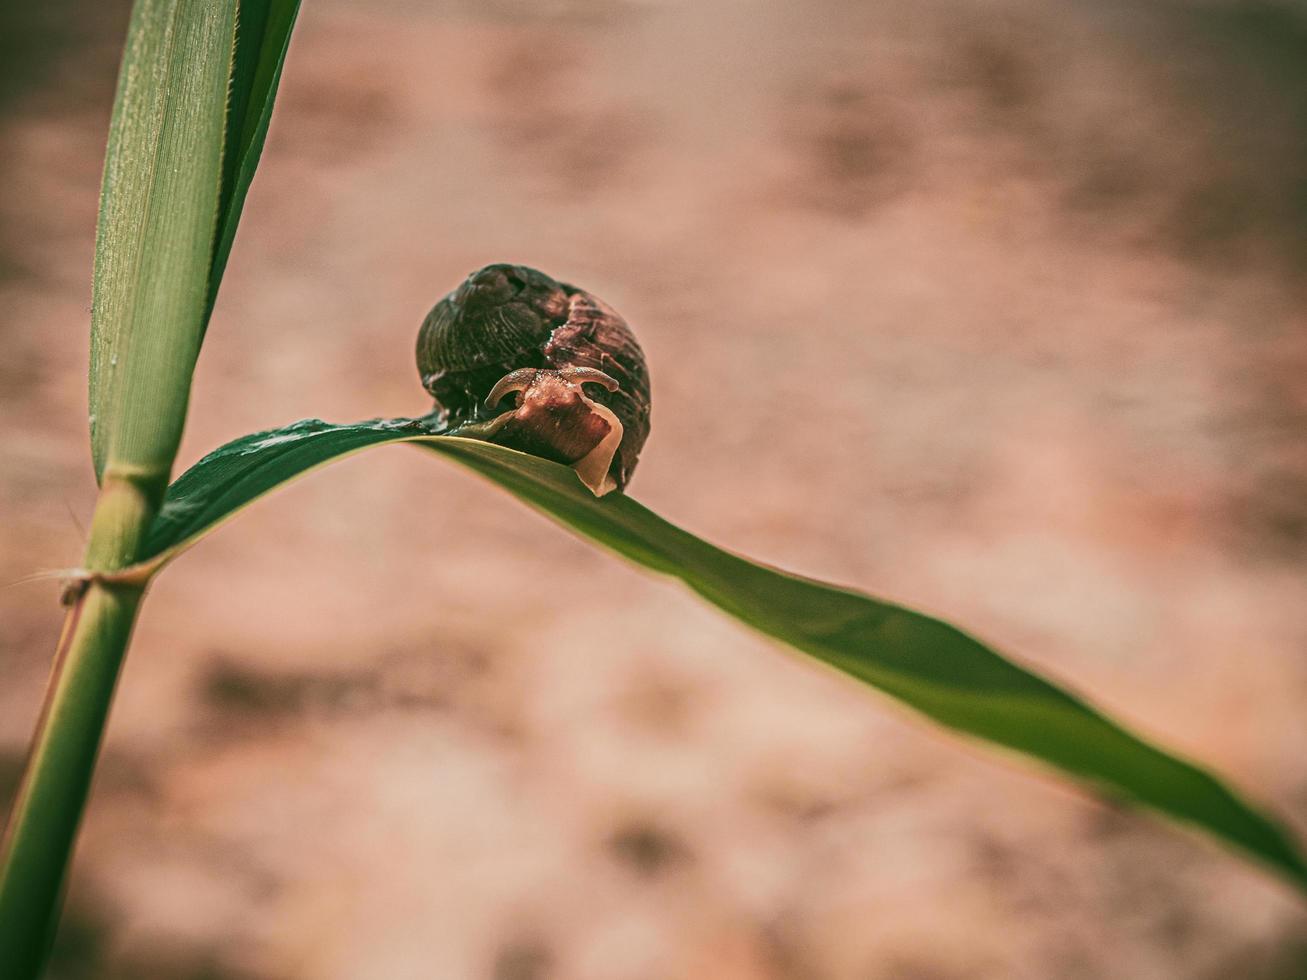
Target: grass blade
column 194, row 101
column 154, row 240
column 932, row 667
column 262, row 38
column 152, row 290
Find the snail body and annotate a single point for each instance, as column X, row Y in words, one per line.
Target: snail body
column 573, row 368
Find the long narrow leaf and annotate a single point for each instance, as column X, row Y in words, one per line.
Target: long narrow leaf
column 154, row 240
column 194, row 101
column 262, row 37
column 928, row 665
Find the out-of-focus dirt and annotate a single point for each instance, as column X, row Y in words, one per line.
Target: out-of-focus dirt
column 995, row 308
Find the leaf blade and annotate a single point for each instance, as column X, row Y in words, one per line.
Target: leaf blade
column 159, row 203
column 931, row 667
column 191, row 115
column 262, row 40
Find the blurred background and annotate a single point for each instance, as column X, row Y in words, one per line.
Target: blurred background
column 995, row 308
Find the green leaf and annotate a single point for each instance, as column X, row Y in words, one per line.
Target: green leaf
column 262, row 37
column 195, row 95
column 928, row 665
column 154, row 241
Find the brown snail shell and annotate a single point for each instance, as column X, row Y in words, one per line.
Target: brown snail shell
column 576, row 373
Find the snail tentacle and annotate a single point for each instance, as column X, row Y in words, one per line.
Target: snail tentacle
column 519, row 380
column 589, row 375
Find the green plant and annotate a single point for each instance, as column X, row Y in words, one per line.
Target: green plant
column 195, row 94
column 194, row 99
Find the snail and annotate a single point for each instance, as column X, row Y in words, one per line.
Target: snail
column 516, row 358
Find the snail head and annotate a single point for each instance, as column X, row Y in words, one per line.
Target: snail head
column 551, row 415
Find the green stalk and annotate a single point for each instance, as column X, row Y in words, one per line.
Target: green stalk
column 43, row 825
column 189, row 121
column 154, row 253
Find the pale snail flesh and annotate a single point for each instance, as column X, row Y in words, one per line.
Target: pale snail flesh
column 514, row 357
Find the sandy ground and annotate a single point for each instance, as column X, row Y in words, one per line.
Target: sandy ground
column 993, row 308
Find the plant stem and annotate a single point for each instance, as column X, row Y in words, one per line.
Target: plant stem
column 43, row 825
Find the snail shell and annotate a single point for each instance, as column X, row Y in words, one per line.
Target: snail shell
column 576, row 374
